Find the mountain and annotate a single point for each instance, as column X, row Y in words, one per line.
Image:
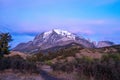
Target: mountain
column 57, row 48
column 104, row 44
column 53, row 38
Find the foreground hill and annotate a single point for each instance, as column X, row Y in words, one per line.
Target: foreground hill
column 88, row 64
column 17, row 53
column 70, row 62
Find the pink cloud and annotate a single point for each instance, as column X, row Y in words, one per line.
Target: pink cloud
column 83, row 26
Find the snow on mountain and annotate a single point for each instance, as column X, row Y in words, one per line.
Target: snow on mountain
column 59, row 32
column 64, row 33
column 46, row 34
column 52, row 38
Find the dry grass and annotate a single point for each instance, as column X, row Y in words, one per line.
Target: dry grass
column 11, row 75
column 14, row 53
column 64, row 75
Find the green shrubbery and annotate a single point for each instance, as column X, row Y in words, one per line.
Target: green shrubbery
column 5, row 38
column 115, row 57
column 48, row 62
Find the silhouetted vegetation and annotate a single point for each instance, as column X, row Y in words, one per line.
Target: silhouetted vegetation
column 5, row 38
column 17, row 63
column 14, row 62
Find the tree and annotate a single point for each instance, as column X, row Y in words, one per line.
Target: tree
column 5, row 38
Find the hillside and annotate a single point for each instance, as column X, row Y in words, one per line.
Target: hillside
column 73, row 62
column 76, row 63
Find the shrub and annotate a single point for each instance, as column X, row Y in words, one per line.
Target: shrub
column 48, row 62
column 17, row 63
column 107, row 68
column 115, row 57
column 5, row 38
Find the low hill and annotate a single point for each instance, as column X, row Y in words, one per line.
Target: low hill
column 15, row 53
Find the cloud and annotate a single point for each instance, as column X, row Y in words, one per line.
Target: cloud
column 95, row 29
column 96, row 18
column 74, row 25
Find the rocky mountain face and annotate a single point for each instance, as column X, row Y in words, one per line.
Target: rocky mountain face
column 104, row 44
column 55, row 37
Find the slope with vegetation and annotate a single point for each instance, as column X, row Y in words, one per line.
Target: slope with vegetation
column 71, row 62
column 83, row 63
column 14, row 63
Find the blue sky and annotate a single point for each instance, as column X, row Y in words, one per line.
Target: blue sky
column 95, row 19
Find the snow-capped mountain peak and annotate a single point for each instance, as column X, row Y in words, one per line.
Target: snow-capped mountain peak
column 64, row 33
column 46, row 34
column 59, row 32
column 52, row 38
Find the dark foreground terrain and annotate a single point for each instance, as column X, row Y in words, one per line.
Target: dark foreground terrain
column 73, row 63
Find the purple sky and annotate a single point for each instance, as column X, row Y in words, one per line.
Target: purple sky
column 94, row 19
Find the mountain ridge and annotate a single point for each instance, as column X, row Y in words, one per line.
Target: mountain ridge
column 53, row 38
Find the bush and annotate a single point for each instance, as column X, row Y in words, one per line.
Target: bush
column 48, row 62
column 17, row 63
column 65, row 67
column 5, row 38
column 106, row 68
column 115, row 57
